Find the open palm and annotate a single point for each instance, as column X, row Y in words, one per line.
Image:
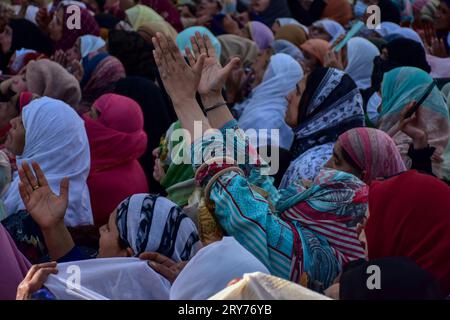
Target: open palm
column 46, row 208
column 214, row 75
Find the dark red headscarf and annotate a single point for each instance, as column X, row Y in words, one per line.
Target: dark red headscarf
column 88, row 26
column 409, row 216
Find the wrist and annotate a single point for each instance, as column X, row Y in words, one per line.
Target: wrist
column 420, row 142
column 183, row 102
column 212, row 99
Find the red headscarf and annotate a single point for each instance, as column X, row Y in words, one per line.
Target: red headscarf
column 409, row 216
column 117, row 136
column 338, row 10
column 88, row 25
column 117, row 140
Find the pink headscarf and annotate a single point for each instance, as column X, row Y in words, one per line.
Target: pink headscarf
column 373, row 151
column 13, row 266
column 117, row 140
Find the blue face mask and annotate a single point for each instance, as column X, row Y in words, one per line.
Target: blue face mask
column 360, row 9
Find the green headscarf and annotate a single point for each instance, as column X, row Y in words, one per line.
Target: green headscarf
column 179, row 178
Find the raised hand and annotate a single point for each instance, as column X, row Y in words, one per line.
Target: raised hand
column 414, row 127
column 165, row 266
column 46, row 208
column 180, row 80
column 213, row 76
column 333, row 60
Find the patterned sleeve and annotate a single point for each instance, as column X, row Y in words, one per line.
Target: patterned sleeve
column 244, row 213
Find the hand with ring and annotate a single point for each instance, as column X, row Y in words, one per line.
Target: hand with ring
column 46, row 208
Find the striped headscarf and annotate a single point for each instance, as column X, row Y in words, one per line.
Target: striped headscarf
column 150, row 223
column 325, row 216
column 400, row 87
column 373, row 151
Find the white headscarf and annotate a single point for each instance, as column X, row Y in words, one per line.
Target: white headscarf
column 108, row 278
column 267, row 104
column 212, row 268
column 409, row 33
column 360, row 53
column 333, row 28
column 90, row 43
column 55, row 138
column 386, row 28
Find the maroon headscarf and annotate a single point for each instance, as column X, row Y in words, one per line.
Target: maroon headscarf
column 88, row 26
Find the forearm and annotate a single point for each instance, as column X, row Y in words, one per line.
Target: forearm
column 218, row 117
column 188, row 112
column 58, row 241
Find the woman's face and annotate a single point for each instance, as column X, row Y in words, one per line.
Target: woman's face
column 259, row 5
column 442, row 17
column 293, row 100
column 93, row 113
column 319, row 33
column 158, row 168
column 109, row 240
column 19, row 83
column 310, row 63
column 208, row 8
column 74, row 53
column 338, row 162
column 275, row 27
column 7, row 112
column 56, row 26
column 15, row 139
column 230, row 25
column 260, row 65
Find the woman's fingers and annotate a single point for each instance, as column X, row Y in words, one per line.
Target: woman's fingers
column 24, row 180
column 190, row 56
column 163, row 270
column 209, row 47
column 64, row 189
column 201, row 43
column 233, row 64
column 199, row 64
column 30, row 175
column 195, row 47
column 41, row 179
column 24, row 194
column 157, row 257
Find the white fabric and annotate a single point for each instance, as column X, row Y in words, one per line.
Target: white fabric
column 372, row 107
column 288, row 21
column 267, row 104
column 108, row 279
column 386, row 28
column 212, row 268
column 284, row 46
column 360, row 55
column 260, row 286
column 90, row 43
column 333, row 28
column 30, row 13
column 409, row 33
column 55, row 138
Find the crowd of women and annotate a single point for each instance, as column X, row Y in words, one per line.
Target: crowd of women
column 92, row 162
